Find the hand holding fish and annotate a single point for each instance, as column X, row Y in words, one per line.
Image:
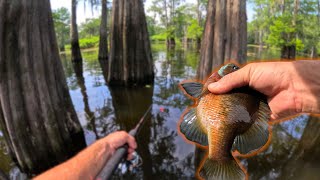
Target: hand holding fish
column 291, row 87
column 234, row 121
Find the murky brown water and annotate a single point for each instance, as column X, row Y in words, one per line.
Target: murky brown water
column 165, row 155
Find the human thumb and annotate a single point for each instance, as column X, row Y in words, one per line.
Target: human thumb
column 230, row 81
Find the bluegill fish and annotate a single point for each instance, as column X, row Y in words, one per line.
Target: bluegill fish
column 237, row 120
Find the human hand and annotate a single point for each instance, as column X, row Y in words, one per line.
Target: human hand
column 120, row 138
column 291, row 87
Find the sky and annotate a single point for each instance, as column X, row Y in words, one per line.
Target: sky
column 84, row 11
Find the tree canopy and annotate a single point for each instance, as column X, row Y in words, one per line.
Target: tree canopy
column 61, row 18
column 285, row 23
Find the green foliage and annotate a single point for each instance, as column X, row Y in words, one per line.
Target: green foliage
column 89, row 42
column 61, row 19
column 281, row 23
column 192, row 58
column 251, row 33
column 194, row 30
column 175, row 19
column 279, row 32
column 67, row 46
column 152, row 25
column 284, row 33
column 159, row 37
column 91, row 27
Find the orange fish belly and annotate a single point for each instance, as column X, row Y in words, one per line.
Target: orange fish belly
column 223, row 117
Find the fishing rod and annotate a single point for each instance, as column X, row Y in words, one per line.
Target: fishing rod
column 117, row 157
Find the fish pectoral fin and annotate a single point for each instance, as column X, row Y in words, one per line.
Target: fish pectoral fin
column 227, row 170
column 191, row 128
column 257, row 135
column 193, row 89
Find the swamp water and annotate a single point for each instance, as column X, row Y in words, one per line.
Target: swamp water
column 164, row 153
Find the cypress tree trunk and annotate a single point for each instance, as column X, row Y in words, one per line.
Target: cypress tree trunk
column 171, row 43
column 288, row 52
column 199, row 23
column 314, row 53
column 225, row 35
column 62, row 49
column 75, row 47
column 103, row 44
column 130, row 53
column 36, row 112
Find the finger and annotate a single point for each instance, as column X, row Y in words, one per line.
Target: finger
column 130, row 156
column 233, row 80
column 131, row 142
column 130, row 150
column 274, row 117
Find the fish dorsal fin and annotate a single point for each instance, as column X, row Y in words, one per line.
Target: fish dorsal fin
column 191, row 128
column 193, row 89
column 257, row 135
column 226, row 170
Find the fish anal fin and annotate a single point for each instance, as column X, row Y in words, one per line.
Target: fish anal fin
column 226, row 170
column 192, row 129
column 193, row 89
column 257, row 135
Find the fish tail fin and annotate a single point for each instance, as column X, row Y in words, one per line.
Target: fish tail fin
column 227, row 170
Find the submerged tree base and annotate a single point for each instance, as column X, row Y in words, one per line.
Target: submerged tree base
column 288, row 52
column 133, row 82
column 130, row 60
column 37, row 117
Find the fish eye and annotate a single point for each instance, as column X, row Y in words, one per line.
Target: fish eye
column 235, row 67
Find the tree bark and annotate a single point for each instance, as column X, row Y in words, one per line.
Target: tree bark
column 62, row 49
column 130, row 60
column 37, row 117
column 103, row 44
column 260, row 39
column 314, row 53
column 225, row 35
column 75, row 47
column 288, row 52
column 199, row 23
column 171, row 43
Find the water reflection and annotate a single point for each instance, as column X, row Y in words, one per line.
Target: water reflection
column 78, row 70
column 258, row 53
column 130, row 104
column 306, row 155
column 294, row 151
